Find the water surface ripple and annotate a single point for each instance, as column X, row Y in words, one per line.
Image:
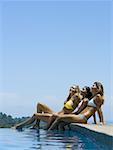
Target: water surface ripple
column 30, row 139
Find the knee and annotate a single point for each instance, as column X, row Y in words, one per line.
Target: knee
column 55, row 115
column 34, row 115
column 39, row 105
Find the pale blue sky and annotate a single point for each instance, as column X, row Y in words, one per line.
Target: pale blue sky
column 48, row 46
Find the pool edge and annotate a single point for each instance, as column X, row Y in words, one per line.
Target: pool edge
column 94, row 132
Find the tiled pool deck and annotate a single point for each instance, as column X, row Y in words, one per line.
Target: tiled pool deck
column 101, row 133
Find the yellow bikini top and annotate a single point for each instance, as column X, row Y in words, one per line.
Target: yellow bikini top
column 72, row 103
column 69, row 104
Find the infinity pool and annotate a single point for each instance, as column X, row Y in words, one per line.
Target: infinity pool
column 30, row 139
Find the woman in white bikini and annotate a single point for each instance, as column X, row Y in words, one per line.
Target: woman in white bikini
column 70, row 107
column 92, row 106
column 81, row 118
column 70, row 104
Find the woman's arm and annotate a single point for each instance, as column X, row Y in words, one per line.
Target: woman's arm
column 100, row 114
column 99, row 102
column 68, row 98
column 94, row 118
column 82, row 105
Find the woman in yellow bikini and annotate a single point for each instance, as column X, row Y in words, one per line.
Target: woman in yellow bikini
column 70, row 104
column 97, row 91
column 69, row 107
column 92, row 106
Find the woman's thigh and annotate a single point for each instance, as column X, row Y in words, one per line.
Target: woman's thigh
column 44, row 108
column 44, row 117
column 72, row 118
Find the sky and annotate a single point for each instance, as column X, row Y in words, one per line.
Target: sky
column 47, row 46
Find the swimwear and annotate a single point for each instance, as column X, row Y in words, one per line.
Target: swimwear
column 82, row 116
column 69, row 104
column 91, row 103
column 72, row 103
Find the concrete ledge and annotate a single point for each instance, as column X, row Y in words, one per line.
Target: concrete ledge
column 102, row 134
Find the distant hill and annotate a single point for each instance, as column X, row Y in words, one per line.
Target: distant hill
column 7, row 121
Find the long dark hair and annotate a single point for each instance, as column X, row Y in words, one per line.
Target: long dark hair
column 89, row 93
column 100, row 86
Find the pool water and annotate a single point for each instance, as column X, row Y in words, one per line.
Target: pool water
column 30, row 139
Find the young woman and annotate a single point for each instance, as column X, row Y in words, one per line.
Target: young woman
column 91, row 108
column 45, row 116
column 97, row 88
column 96, row 92
column 85, row 93
column 70, row 104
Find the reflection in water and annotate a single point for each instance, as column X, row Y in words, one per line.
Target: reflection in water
column 67, row 140
column 41, row 139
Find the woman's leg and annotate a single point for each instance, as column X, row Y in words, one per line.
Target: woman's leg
column 44, row 117
column 39, row 116
column 26, row 122
column 42, row 108
column 62, row 125
column 51, row 120
column 53, row 117
column 68, row 119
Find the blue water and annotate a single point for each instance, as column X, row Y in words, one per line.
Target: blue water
column 30, row 139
